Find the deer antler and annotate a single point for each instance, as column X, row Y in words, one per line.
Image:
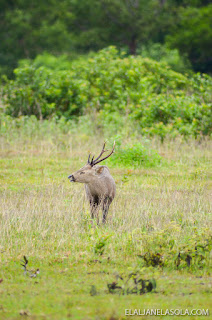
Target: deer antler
column 95, row 161
column 90, row 162
column 101, row 153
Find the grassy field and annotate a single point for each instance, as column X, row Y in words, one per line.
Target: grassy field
column 158, row 211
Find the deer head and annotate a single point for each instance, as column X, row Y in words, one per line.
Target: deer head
column 90, row 171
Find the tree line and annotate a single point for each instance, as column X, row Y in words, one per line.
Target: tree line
column 28, row 28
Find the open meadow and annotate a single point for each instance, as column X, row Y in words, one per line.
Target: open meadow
column 75, row 75
column 158, row 227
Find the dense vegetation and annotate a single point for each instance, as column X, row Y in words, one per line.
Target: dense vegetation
column 117, row 91
column 29, row 28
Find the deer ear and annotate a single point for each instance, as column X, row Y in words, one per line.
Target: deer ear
column 99, row 170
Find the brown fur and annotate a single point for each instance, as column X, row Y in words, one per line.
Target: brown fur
column 99, row 186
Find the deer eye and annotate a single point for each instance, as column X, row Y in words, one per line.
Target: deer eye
column 82, row 172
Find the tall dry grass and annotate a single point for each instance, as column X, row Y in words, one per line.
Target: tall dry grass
column 41, row 213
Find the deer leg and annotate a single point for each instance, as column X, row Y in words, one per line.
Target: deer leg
column 94, row 205
column 106, row 205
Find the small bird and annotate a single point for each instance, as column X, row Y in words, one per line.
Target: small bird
column 31, row 273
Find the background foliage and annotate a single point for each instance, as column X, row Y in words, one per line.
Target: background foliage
column 73, row 27
column 116, row 91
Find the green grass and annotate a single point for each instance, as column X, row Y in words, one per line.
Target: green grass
column 163, row 209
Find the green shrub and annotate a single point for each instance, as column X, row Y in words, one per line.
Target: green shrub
column 164, row 250
column 49, row 61
column 148, row 95
column 135, row 155
column 162, row 53
column 43, row 93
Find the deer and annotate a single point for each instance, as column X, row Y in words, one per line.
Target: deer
column 100, row 186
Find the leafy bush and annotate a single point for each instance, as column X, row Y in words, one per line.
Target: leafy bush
column 131, row 284
column 43, row 93
column 118, row 90
column 135, row 155
column 47, row 60
column 164, row 250
column 163, row 53
column 100, row 245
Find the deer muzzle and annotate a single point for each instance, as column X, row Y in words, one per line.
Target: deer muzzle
column 71, row 178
